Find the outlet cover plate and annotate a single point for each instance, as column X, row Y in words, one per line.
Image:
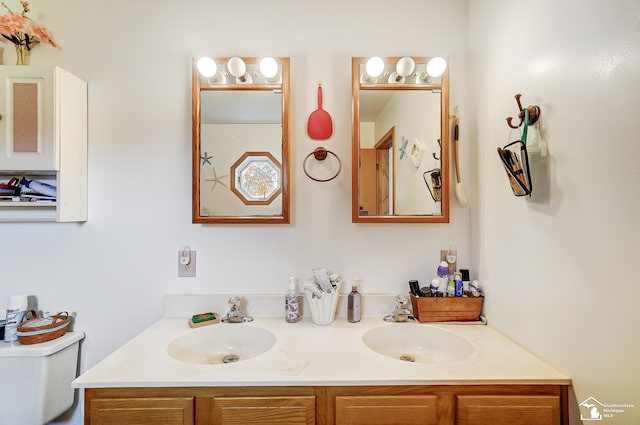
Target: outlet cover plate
column 188, row 270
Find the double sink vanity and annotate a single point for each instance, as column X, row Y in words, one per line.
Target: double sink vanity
column 268, row 371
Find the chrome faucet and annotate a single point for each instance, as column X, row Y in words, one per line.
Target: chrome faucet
column 402, row 312
column 235, row 315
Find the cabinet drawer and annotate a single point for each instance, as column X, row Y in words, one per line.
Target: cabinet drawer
column 508, row 410
column 286, row 410
column 142, row 411
column 387, row 410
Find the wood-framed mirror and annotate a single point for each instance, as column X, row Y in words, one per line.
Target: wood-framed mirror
column 400, row 140
column 240, row 141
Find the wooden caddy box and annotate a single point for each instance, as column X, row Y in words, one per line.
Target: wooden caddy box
column 447, row 309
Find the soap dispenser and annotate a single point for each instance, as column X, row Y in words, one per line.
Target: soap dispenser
column 292, row 303
column 353, row 303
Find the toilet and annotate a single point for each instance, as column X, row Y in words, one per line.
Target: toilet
column 35, row 379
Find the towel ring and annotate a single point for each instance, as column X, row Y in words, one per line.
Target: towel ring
column 320, row 154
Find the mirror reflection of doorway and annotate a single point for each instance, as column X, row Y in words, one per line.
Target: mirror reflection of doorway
column 378, row 177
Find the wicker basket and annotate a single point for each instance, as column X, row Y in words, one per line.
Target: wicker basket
column 39, row 329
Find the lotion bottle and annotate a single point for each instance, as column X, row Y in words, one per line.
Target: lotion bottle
column 292, row 303
column 354, row 303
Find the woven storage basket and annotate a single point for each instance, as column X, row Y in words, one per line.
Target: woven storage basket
column 38, row 329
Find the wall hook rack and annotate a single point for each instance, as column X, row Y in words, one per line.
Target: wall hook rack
column 435, row 155
column 534, row 113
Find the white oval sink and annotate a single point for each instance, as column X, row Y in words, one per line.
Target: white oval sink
column 417, row 343
column 221, row 343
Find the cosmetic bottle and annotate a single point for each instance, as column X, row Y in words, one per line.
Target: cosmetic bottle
column 292, row 303
column 457, row 282
column 16, row 308
column 353, row 303
column 433, row 287
column 465, row 282
column 443, row 274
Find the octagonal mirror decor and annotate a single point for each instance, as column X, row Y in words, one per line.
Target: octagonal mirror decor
column 255, row 178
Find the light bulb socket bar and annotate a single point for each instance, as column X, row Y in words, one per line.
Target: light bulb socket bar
column 402, row 70
column 240, row 70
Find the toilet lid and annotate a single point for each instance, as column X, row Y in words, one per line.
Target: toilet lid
column 42, row 349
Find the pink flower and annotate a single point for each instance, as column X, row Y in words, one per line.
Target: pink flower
column 12, row 23
column 20, row 29
column 41, row 33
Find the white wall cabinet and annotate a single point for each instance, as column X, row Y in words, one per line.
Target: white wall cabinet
column 43, row 136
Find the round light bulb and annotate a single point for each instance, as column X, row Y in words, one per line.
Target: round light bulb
column 269, row 67
column 374, row 66
column 405, row 66
column 207, row 67
column 237, row 67
column 436, row 67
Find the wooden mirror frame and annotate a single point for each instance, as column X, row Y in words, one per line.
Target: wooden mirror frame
column 356, row 86
column 282, row 86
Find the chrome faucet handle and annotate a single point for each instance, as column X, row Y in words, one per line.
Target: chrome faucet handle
column 235, row 315
column 402, row 312
column 234, row 303
column 402, row 301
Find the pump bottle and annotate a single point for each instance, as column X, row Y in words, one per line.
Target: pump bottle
column 292, row 303
column 353, row 303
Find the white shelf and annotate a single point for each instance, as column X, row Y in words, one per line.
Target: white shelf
column 28, row 204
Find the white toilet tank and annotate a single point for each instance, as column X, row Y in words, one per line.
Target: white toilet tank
column 35, row 380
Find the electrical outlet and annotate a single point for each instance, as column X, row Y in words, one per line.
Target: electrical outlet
column 189, row 269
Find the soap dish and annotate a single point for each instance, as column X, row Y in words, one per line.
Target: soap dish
column 203, row 319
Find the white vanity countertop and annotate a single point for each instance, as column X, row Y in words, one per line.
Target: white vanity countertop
column 307, row 354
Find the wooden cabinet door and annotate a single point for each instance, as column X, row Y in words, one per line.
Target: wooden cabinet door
column 508, row 410
column 367, row 188
column 387, row 410
column 286, row 410
column 142, row 411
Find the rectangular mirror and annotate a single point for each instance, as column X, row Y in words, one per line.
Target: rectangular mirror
column 400, row 135
column 240, row 142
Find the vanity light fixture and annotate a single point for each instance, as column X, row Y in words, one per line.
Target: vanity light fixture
column 207, row 68
column 404, row 68
column 238, row 69
column 269, row 68
column 435, row 68
column 373, row 69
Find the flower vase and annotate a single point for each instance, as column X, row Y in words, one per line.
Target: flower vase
column 23, row 54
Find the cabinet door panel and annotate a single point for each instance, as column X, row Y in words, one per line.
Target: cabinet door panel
column 296, row 410
column 508, row 410
column 143, row 411
column 27, row 139
column 387, row 410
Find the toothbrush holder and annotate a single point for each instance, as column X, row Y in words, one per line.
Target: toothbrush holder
column 323, row 310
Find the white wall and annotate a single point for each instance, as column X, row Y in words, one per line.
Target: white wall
column 136, row 56
column 560, row 267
